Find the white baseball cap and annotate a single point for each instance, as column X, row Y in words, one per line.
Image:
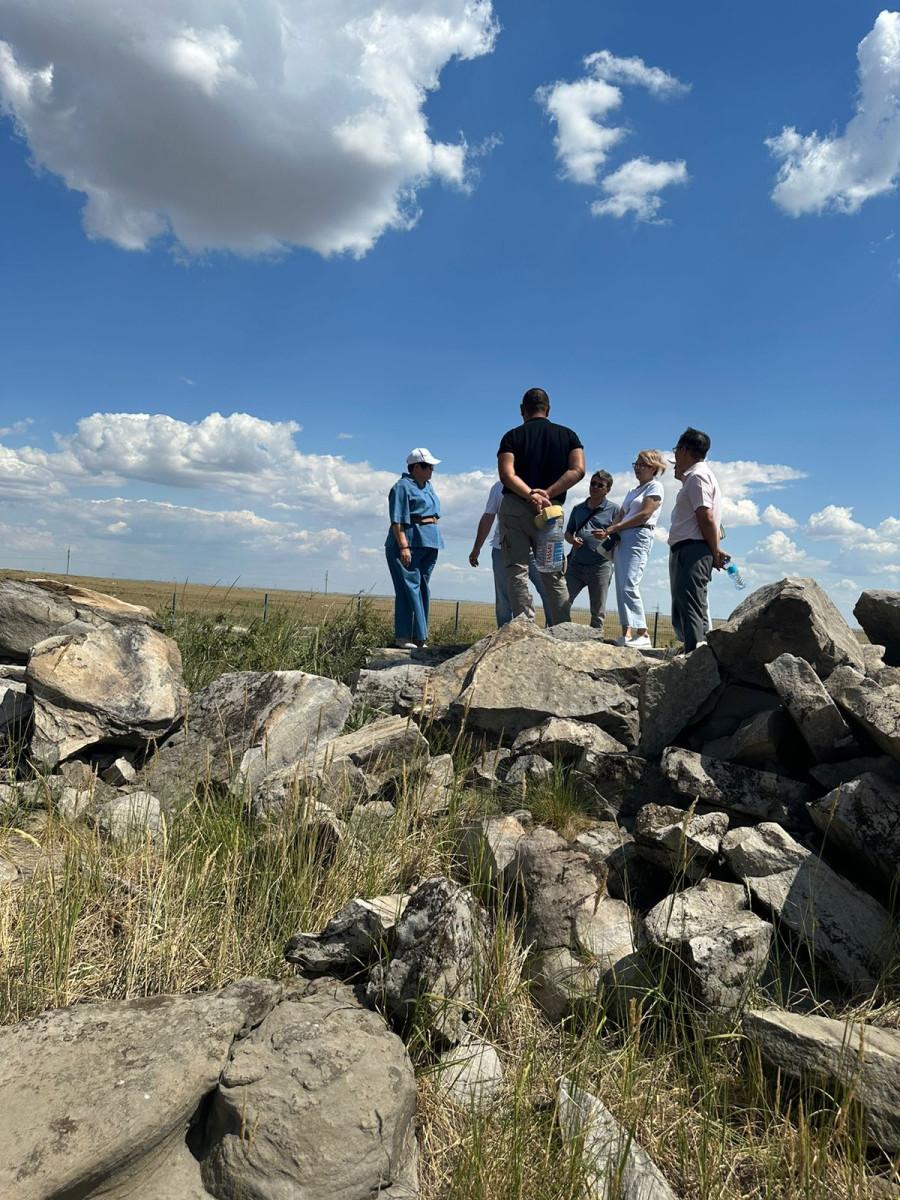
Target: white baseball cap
column 421, row 455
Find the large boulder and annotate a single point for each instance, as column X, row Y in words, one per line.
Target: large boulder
column 874, row 708
column 815, row 714
column 861, row 822
column 88, row 1092
column 248, row 724
column 838, row 924
column 758, row 794
column 110, row 684
column 674, row 695
column 878, row 612
column 711, row 931
column 519, row 681
column 794, row 616
column 317, row 1102
column 351, row 769
column 863, row 1059
column 439, row 953
column 392, row 691
column 33, row 610
column 615, row 1165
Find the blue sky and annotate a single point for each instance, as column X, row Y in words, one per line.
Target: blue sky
column 253, row 253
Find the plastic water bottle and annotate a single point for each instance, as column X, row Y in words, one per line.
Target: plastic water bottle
column 734, row 575
column 548, row 552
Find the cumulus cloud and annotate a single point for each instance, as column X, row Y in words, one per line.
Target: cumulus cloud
column 842, row 171
column 233, row 125
column 777, row 549
column 584, row 140
column 635, row 187
column 17, row 428
column 778, row 518
column 833, row 521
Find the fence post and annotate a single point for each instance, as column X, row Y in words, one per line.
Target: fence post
column 358, row 605
column 456, row 619
column 655, row 625
column 174, row 603
column 265, row 607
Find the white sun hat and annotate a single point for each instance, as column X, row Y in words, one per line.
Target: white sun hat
column 421, row 455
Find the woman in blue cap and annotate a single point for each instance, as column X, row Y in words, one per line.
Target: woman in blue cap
column 412, row 546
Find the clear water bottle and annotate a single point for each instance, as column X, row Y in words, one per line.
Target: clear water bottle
column 548, row 552
column 734, row 575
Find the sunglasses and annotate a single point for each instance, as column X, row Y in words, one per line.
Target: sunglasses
column 598, row 483
column 638, row 463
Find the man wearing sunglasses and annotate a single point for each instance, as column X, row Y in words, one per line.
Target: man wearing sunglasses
column 588, row 566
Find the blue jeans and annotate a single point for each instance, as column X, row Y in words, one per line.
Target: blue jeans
column 411, row 596
column 629, row 560
column 502, row 606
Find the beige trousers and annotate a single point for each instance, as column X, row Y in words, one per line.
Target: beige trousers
column 518, row 536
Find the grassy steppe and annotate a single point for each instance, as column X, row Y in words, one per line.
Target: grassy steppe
column 220, row 893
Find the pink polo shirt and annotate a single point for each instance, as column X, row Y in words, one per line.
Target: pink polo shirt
column 699, row 489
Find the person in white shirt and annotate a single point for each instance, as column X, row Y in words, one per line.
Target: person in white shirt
column 635, row 522
column 502, row 606
column 694, row 550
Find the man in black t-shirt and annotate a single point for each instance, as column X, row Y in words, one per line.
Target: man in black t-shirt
column 538, row 462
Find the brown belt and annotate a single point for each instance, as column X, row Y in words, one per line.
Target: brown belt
column 424, row 520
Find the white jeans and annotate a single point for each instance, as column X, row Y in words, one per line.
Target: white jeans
column 629, row 560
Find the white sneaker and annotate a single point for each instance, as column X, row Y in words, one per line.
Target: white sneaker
column 406, row 645
column 638, row 643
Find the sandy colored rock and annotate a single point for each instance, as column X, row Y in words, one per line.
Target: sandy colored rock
column 113, row 684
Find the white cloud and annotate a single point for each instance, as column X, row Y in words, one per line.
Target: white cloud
column 344, row 437
column 777, row 549
column 236, row 125
column 118, row 527
column 841, row 172
column 584, row 140
column 778, row 518
column 21, row 537
column 834, row 521
column 635, row 187
column 739, row 512
column 17, row 428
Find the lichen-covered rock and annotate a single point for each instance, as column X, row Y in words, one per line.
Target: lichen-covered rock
column 794, row 616
column 815, row 714
column 682, row 843
column 674, row 695
column 874, row 708
column 861, row 823
column 438, row 956
column 713, row 933
column 759, row 794
column 352, row 938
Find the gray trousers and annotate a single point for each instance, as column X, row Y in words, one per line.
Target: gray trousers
column 596, row 579
column 690, row 570
column 518, row 536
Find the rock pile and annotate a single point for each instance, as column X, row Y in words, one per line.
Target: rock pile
column 745, row 803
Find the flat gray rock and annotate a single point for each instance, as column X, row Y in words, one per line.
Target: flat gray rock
column 792, row 616
column 839, row 925
column 487, row 847
column 565, row 740
column 861, row 821
column 863, row 1059
column 616, row 1166
column 137, row 816
column 815, row 714
column 878, row 612
column 759, row 794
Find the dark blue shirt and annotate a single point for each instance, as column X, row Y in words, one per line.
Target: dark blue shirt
column 589, row 554
column 407, row 500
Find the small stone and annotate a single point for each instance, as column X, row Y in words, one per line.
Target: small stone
column 680, row 842
column 136, row 815
column 470, row 1074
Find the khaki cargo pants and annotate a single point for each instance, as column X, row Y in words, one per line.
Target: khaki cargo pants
column 518, row 536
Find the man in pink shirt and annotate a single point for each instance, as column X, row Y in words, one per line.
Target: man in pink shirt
column 693, row 539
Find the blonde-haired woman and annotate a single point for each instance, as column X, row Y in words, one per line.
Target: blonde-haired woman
column 634, row 523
